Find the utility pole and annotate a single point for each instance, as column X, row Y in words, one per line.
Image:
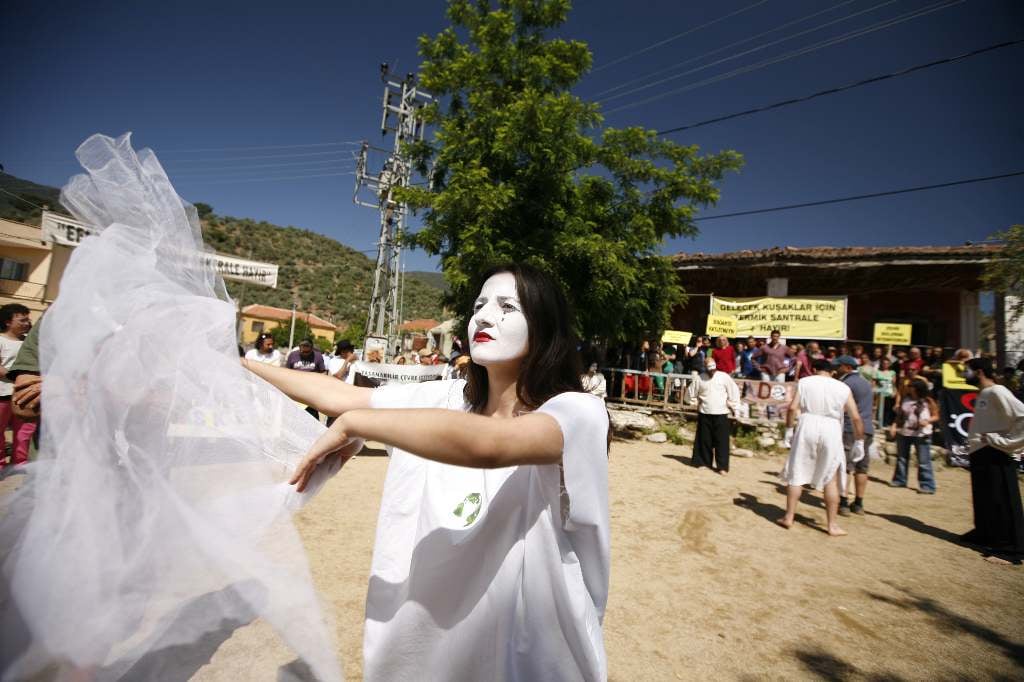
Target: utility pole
column 402, row 115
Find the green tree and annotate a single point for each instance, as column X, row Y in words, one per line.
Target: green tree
column 521, row 172
column 1005, row 275
column 355, row 333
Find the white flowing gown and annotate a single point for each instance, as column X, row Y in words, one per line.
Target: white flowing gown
column 156, row 521
column 491, row 574
column 817, row 453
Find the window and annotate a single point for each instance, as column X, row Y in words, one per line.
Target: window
column 257, row 326
column 12, row 269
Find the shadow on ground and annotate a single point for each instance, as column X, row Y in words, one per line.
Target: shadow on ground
column 771, row 512
column 947, row 620
column 825, row 665
column 682, row 459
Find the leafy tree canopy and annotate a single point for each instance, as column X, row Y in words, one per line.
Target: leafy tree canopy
column 1006, row 275
column 521, row 172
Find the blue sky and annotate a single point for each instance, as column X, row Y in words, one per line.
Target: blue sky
column 230, row 76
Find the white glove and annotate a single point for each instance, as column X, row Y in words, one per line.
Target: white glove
column 857, row 451
column 787, row 440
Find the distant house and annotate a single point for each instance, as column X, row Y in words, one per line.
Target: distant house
column 30, row 268
column 414, row 334
column 257, row 319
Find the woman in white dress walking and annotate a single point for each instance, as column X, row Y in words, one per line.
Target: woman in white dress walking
column 817, row 456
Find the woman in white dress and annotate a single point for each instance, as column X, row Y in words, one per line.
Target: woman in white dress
column 491, row 559
column 817, row 456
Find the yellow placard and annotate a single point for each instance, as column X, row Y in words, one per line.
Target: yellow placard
column 806, row 317
column 673, row 336
column 953, row 377
column 721, row 325
column 892, row 333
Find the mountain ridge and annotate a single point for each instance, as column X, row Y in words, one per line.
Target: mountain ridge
column 318, row 274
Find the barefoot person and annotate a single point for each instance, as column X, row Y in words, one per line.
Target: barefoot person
column 818, row 457
column 491, row 559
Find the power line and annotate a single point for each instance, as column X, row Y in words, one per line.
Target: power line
column 30, row 203
column 285, row 167
column 858, row 197
column 293, row 177
column 756, row 48
column 720, row 49
column 793, row 54
column 354, row 143
column 263, row 156
column 677, row 36
column 842, row 88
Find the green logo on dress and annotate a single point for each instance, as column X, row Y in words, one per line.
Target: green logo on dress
column 469, row 508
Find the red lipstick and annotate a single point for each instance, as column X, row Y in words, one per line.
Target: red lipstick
column 482, row 337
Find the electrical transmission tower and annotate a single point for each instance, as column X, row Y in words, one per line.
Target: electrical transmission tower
column 402, row 115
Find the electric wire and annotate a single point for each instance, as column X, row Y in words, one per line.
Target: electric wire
column 30, row 203
column 273, row 146
column 793, row 54
column 677, row 36
column 843, row 88
column 719, row 49
column 264, row 168
column 293, row 177
column 744, row 53
column 261, row 156
column 858, row 197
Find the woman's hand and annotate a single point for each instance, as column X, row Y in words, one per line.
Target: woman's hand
column 335, row 442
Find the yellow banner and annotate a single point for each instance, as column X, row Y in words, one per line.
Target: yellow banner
column 673, row 336
column 892, row 333
column 721, row 325
column 812, row 317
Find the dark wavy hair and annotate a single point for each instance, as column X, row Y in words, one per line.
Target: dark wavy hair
column 551, row 365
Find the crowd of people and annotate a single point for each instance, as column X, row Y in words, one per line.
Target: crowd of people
column 843, row 395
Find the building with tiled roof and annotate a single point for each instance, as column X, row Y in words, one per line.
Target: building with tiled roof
column 258, row 318
column 934, row 288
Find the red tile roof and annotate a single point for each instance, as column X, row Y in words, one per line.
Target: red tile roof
column 422, row 325
column 271, row 313
column 831, row 254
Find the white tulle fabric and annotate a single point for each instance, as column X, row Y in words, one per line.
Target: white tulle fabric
column 157, row 520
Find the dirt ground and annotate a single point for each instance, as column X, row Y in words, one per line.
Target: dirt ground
column 705, row 586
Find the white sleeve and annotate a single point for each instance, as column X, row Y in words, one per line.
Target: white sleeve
column 584, row 423
column 583, row 419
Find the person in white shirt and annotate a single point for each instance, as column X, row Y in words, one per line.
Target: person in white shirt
column 995, row 443
column 340, row 366
column 265, row 352
column 492, row 552
column 594, row 382
column 716, row 397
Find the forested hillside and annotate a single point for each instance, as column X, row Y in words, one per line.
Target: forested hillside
column 317, row 273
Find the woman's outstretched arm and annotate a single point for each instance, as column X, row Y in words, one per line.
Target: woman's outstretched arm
column 321, row 392
column 447, row 436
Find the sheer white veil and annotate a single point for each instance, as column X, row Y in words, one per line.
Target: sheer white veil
column 157, row 519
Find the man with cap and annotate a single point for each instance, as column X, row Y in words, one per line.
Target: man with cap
column 846, row 371
column 716, row 396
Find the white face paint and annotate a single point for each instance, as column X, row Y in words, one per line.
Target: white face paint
column 498, row 331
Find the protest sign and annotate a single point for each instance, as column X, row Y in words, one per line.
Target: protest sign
column 673, row 336
column 886, row 332
column 817, row 317
column 721, row 325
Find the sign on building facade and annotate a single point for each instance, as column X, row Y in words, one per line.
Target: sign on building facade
column 800, row 317
column 65, row 231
